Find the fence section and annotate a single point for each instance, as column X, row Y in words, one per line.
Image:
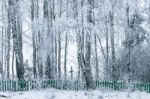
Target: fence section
column 14, row 85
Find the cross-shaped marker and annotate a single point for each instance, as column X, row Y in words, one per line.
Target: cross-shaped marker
column 71, row 72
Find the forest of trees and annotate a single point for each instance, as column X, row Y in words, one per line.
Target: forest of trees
column 102, row 39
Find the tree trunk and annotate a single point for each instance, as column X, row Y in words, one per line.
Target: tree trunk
column 88, row 75
column 59, row 56
column 2, row 43
column 65, row 57
column 36, row 38
column 8, row 38
column 85, row 60
column 13, row 56
column 107, row 68
column 17, row 38
column 56, row 69
column 59, row 44
column 33, row 40
column 96, row 57
column 113, row 54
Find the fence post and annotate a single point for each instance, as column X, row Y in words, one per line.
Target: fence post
column 1, row 85
column 149, row 88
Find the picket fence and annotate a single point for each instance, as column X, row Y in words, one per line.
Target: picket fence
column 26, row 85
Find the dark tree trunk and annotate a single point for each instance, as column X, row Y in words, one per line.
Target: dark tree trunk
column 17, row 38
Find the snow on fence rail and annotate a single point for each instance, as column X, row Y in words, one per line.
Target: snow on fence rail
column 25, row 85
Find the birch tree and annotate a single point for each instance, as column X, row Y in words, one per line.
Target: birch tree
column 2, row 42
column 59, row 43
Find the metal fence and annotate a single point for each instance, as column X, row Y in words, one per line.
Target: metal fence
column 123, row 85
column 26, row 85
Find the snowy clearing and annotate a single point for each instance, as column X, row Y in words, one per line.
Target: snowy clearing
column 61, row 94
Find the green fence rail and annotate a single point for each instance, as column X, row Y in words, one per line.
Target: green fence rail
column 25, row 85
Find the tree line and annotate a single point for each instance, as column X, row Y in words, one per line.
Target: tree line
column 111, row 39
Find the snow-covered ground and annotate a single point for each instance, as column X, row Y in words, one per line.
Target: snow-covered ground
column 59, row 94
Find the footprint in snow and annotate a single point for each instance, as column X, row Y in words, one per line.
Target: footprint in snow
column 3, row 96
column 52, row 97
column 100, row 97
